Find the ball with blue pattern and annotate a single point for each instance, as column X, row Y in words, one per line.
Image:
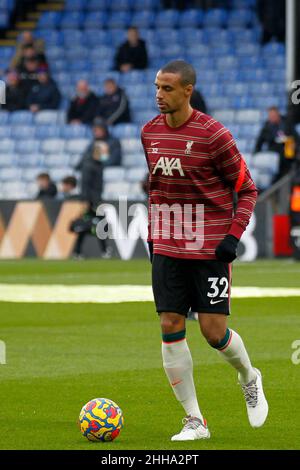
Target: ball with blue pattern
column 101, row 419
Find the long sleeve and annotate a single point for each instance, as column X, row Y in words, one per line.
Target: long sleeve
column 232, row 167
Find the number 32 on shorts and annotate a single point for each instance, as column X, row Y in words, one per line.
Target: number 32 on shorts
column 218, row 288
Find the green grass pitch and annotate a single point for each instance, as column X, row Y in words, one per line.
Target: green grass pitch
column 59, row 356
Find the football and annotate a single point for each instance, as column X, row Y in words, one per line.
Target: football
column 101, row 419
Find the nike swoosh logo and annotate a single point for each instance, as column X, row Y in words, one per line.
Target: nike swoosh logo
column 154, row 143
column 213, row 302
column 176, row 383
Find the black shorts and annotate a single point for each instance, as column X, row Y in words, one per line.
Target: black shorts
column 183, row 284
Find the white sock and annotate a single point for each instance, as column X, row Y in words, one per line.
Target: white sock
column 235, row 353
column 178, row 365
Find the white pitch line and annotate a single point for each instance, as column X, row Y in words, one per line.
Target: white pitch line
column 52, row 293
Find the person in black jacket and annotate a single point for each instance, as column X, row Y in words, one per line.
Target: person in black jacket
column 47, row 189
column 83, row 107
column 197, row 102
column 273, row 137
column 44, row 94
column 15, row 93
column 272, row 16
column 132, row 54
column 113, row 105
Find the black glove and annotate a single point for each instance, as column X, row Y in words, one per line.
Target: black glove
column 150, row 245
column 226, row 250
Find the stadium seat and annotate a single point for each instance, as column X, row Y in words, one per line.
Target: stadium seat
column 122, row 131
column 134, row 160
column 267, row 162
column 46, row 117
column 57, row 160
column 248, row 116
column 191, row 18
column 167, row 19
column 130, row 146
column 7, row 146
column 75, row 5
column 25, row 160
column 72, row 20
column 47, row 131
column 216, row 17
column 113, row 191
column 53, row 146
column 95, row 20
column 49, row 19
column 97, row 5
column 21, row 117
column 76, row 131
column 120, row 19
column 224, row 116
column 113, row 173
column 77, row 145
column 136, row 175
column 27, row 146
column 4, row 117
column 240, row 18
column 7, row 159
column 5, row 131
column 29, row 175
column 57, row 174
column 143, row 19
column 23, row 132
column 10, row 174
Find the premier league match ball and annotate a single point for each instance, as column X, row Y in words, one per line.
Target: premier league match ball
column 101, row 419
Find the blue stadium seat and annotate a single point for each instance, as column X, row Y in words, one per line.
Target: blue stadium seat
column 57, row 160
column 5, row 131
column 227, row 63
column 72, row 20
column 7, row 4
column 97, row 5
column 141, row 117
column 191, row 36
column 55, row 52
column 216, row 17
column 57, row 65
column 218, row 102
column 10, row 174
column 242, row 102
column 57, row 174
column 133, row 77
column 47, row 117
column 76, row 131
column 225, row 116
column 171, row 52
column 4, row 117
column 248, row 116
column 118, row 36
column 78, row 65
column 191, row 18
column 167, row 37
column 273, row 49
column 75, row 5
column 167, row 19
column 7, row 146
column 264, row 102
column 102, row 52
column 24, row 132
column 7, row 160
column 4, row 18
column 78, row 145
column 120, row 19
column 25, row 160
column 21, row 117
column 139, row 5
column 94, row 37
column 134, row 160
column 143, row 19
column 27, row 146
column 131, row 145
column 77, row 53
column 249, row 49
column 121, row 5
column 72, row 37
column 53, row 146
column 136, row 175
column 113, row 173
column 221, row 50
column 50, row 19
column 7, row 52
column 95, row 20
column 49, row 131
column 51, row 36
column 241, row 18
column 122, row 131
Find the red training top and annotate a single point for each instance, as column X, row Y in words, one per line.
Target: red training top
column 191, row 167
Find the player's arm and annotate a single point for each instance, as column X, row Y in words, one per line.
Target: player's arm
column 149, row 239
column 232, row 167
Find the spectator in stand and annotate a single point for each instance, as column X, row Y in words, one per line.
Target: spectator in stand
column 29, row 53
column 68, row 189
column 132, row 54
column 15, row 93
column 83, row 107
column 27, row 40
column 272, row 16
column 47, row 189
column 44, row 94
column 29, row 75
column 198, row 102
column 273, row 137
column 113, row 105
column 104, row 149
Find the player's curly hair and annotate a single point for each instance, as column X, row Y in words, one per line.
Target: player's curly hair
column 182, row 68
